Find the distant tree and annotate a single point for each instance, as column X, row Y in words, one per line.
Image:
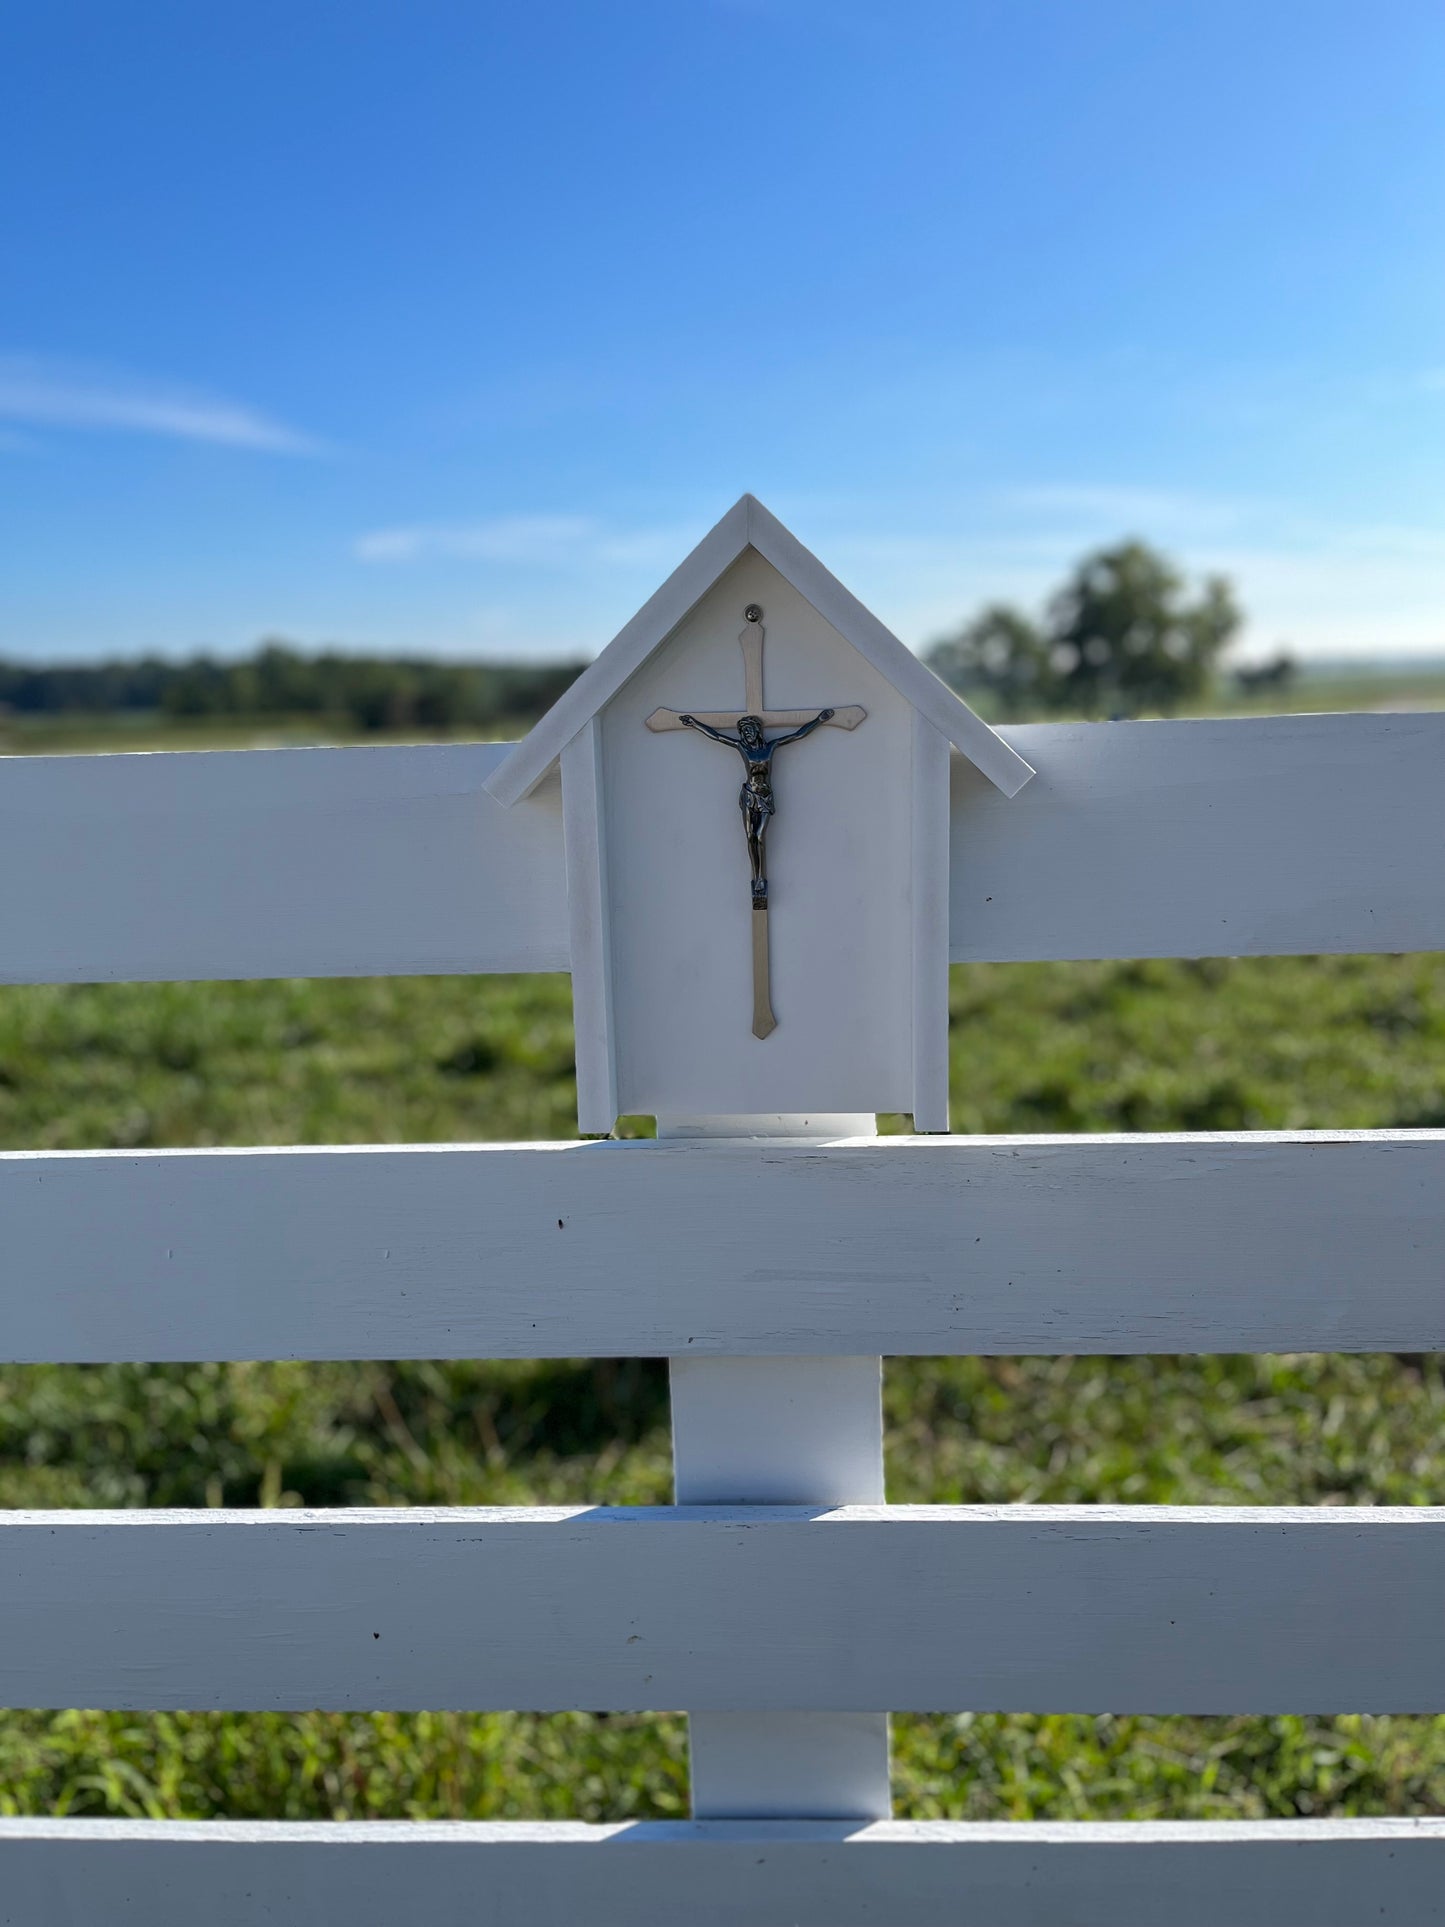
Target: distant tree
column 1122, row 635
column 1260, row 678
column 1000, row 651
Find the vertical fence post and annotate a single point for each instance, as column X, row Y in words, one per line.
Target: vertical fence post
column 781, row 1431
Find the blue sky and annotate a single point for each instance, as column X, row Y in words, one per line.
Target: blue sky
column 451, row 327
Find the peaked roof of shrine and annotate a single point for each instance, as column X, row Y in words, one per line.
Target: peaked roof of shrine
column 748, row 525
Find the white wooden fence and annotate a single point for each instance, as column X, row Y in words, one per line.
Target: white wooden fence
column 1155, row 839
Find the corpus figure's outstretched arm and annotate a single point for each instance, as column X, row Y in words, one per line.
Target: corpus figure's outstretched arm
column 806, row 729
column 706, row 729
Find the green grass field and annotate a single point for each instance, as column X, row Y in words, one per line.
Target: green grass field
column 1273, row 1043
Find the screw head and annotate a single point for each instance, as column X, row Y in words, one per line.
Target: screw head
column 753, row 612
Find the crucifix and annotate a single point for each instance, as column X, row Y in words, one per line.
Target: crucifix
column 756, row 800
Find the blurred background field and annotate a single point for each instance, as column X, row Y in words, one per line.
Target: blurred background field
column 417, row 701
column 1311, row 690
column 1149, row 1046
column 1126, row 633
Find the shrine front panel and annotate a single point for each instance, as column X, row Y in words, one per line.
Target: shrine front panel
column 840, row 874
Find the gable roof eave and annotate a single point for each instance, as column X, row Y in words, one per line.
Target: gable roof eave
column 894, row 660
column 748, row 524
column 518, row 775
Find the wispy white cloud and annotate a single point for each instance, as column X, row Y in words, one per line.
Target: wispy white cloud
column 47, row 393
column 571, row 542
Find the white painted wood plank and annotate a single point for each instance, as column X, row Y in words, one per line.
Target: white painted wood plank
column 777, row 1431
column 930, row 926
column 773, row 1766
column 1084, row 1609
column 1256, row 836
column 1329, row 1241
column 274, row 863
column 781, row 1431
column 1280, row 835
column 137, row 1873
column 839, row 877
column 591, row 939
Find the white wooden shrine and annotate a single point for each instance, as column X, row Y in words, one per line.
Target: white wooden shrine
column 671, row 968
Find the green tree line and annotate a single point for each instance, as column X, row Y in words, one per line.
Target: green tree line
column 369, row 692
column 1125, row 634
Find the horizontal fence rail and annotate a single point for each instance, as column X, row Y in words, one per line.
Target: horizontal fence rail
column 1266, row 835
column 274, row 863
column 1322, row 1241
column 1329, row 1873
column 1086, row 1609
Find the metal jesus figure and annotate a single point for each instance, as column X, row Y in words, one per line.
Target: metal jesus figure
column 756, row 799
